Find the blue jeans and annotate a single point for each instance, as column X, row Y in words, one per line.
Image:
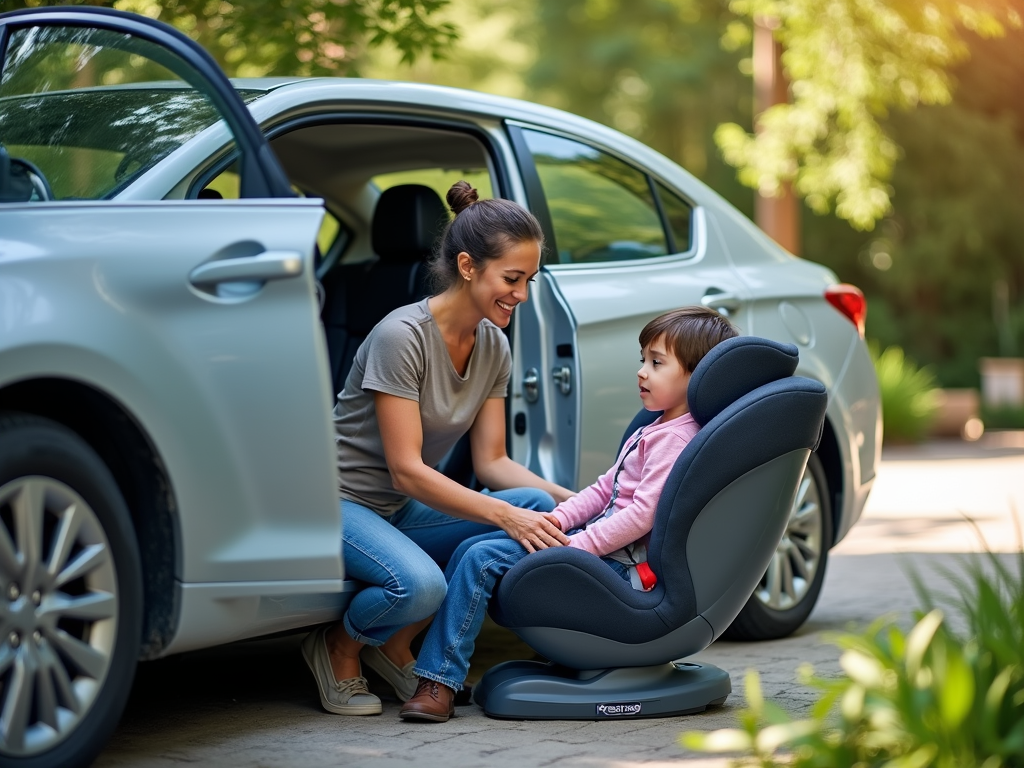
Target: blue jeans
column 398, row 557
column 472, row 572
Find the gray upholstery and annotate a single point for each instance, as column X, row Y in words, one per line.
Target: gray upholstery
column 755, row 414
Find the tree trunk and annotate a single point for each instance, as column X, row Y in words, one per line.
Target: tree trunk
column 779, row 217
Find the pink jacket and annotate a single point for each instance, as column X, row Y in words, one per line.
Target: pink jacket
column 644, row 472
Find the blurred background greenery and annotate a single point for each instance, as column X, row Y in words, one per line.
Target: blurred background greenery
column 905, row 138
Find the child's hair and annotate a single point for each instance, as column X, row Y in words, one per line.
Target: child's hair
column 482, row 228
column 690, row 333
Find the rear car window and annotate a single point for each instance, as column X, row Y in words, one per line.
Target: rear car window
column 438, row 179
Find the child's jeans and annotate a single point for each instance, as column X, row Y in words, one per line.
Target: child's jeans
column 472, row 572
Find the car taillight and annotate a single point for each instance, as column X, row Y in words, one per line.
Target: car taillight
column 849, row 300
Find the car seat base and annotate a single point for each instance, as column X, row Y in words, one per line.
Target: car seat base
column 533, row 690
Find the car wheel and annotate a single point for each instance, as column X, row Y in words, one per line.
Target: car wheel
column 70, row 596
column 787, row 592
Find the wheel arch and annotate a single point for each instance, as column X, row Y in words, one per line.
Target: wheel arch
column 832, row 462
column 141, row 476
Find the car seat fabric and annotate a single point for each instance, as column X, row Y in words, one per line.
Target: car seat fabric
column 753, row 411
column 406, row 222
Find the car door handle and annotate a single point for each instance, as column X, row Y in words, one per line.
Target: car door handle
column 720, row 301
column 269, row 265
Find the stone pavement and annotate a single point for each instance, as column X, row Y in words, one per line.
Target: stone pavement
column 254, row 704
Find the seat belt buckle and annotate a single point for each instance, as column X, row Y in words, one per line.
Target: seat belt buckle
column 647, row 577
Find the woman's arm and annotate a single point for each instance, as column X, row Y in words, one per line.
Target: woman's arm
column 401, row 431
column 491, row 463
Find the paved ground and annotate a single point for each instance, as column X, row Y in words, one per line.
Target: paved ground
column 254, row 704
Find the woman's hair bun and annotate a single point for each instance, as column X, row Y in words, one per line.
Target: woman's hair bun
column 461, row 196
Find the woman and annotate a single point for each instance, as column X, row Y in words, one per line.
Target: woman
column 428, row 373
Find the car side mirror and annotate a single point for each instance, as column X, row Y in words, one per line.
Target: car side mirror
column 21, row 181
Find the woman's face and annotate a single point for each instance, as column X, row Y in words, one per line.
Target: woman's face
column 503, row 283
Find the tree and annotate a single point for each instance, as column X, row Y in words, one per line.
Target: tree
column 851, row 62
column 651, row 68
column 299, row 37
column 956, row 234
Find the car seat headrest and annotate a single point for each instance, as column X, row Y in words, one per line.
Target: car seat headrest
column 732, row 369
column 406, row 222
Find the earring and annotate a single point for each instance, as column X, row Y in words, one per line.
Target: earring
column 466, row 276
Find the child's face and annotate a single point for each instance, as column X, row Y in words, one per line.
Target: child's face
column 663, row 380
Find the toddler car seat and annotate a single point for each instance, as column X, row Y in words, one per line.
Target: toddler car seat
column 615, row 651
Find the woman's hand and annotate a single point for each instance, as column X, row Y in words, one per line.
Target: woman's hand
column 534, row 531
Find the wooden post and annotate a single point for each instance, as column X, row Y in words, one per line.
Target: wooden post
column 779, row 217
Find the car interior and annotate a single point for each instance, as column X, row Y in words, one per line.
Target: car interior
column 383, row 188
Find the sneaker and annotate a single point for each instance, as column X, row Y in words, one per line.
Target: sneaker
column 347, row 697
column 433, row 701
column 400, row 678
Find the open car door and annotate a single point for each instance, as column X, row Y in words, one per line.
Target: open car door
column 200, row 319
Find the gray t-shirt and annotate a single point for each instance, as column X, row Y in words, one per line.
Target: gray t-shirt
column 404, row 355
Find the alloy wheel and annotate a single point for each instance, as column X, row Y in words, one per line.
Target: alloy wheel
column 799, row 554
column 58, row 613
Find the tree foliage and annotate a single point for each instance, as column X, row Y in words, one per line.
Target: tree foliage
column 296, row 37
column 851, row 62
column 955, row 236
column 651, row 68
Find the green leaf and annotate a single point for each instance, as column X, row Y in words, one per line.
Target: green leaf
column 919, row 639
column 957, row 693
column 723, row 740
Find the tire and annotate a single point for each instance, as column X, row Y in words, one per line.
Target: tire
column 784, row 599
column 70, row 597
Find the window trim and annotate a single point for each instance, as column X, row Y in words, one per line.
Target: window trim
column 530, row 176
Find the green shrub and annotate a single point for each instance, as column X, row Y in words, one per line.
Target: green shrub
column 1002, row 417
column 909, row 395
column 937, row 697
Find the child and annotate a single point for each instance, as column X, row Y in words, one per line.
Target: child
column 612, row 518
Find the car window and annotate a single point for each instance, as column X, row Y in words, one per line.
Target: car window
column 601, row 208
column 678, row 215
column 438, row 179
column 226, row 185
column 88, row 110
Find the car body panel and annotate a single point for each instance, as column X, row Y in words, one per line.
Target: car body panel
column 231, row 391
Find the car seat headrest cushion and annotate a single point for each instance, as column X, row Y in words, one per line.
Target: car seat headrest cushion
column 406, row 222
column 732, row 369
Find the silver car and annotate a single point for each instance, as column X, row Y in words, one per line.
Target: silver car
column 187, row 266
